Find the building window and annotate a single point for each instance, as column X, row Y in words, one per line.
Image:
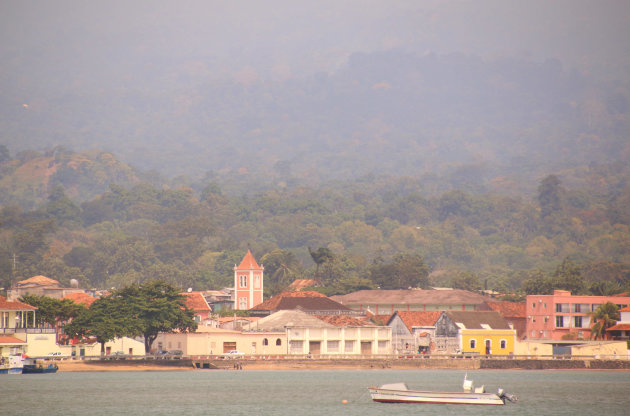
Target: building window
column 265, row 342
column 578, row 321
column 332, row 346
column 503, row 344
column 242, row 303
column 278, row 342
column 473, row 344
column 559, row 321
column 349, row 347
column 242, row 281
column 534, row 305
column 257, row 282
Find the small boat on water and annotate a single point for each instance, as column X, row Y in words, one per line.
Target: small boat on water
column 32, row 366
column 400, row 393
column 11, row 364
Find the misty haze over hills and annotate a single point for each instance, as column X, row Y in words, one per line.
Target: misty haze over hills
column 324, row 90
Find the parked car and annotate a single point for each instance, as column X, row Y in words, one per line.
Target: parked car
column 159, row 354
column 54, row 355
column 233, row 354
column 175, row 354
column 118, row 355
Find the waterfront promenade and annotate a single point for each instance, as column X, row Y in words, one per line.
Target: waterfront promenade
column 341, row 364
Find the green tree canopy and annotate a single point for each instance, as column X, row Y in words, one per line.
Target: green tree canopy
column 404, row 271
column 155, row 307
column 136, row 310
column 53, row 311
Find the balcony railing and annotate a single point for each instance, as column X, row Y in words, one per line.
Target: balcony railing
column 28, row 331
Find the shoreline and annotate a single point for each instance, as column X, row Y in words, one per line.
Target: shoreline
column 363, row 364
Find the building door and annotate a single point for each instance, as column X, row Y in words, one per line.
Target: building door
column 229, row 346
column 366, row 347
column 314, row 347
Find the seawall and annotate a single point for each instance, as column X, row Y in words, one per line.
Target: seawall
column 341, row 364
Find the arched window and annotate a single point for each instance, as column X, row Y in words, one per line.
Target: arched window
column 278, row 342
column 473, row 344
column 265, row 341
column 503, row 344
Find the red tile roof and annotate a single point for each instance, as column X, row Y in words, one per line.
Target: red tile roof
column 15, row 305
column 8, row 340
column 39, row 281
column 418, row 318
column 272, row 304
column 626, row 309
column 196, row 302
column 378, row 319
column 342, row 320
column 509, row 309
column 299, row 284
column 226, row 319
column 249, row 262
column 80, row 298
column 619, row 327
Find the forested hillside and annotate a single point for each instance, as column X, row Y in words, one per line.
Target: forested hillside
column 373, row 231
column 483, row 124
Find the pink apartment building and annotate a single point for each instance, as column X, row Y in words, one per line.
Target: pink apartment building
column 552, row 317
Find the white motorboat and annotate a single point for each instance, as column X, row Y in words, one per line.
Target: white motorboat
column 400, row 393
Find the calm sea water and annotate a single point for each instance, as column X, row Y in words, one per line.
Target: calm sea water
column 315, row 392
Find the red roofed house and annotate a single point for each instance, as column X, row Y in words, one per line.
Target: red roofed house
column 196, row 302
column 621, row 330
column 248, row 283
column 16, row 320
column 313, row 303
column 40, row 286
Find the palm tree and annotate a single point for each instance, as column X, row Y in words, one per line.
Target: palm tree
column 605, row 316
column 320, row 256
column 282, row 266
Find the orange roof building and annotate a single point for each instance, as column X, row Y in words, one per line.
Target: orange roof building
column 40, row 286
column 80, row 298
column 313, row 303
column 196, row 302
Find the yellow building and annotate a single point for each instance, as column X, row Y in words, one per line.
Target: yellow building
column 483, row 333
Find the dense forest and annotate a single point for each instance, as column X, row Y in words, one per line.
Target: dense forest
column 87, row 216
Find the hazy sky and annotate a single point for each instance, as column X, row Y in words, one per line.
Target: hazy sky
column 95, row 73
column 290, row 37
